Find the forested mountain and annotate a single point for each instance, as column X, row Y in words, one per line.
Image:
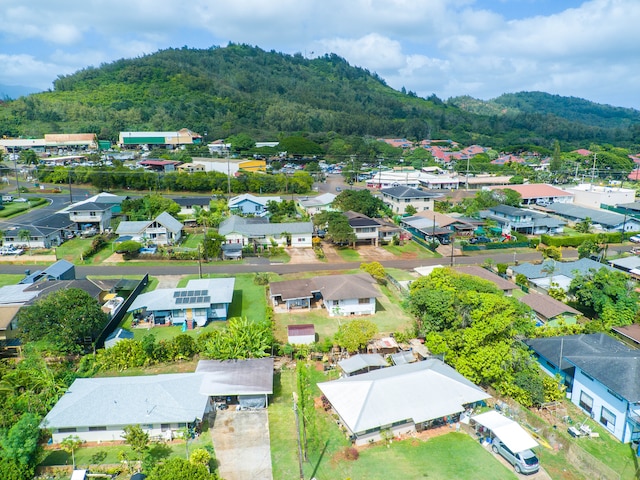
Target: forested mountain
column 569, row 108
column 243, row 89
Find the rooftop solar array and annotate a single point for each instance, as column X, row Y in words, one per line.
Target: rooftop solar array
column 190, row 300
column 190, row 293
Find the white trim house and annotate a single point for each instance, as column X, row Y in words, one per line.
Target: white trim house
column 98, row 409
column 200, row 301
column 163, row 230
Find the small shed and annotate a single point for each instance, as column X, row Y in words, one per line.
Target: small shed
column 117, row 336
column 362, row 363
column 301, row 334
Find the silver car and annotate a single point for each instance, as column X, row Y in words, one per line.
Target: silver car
column 523, row 462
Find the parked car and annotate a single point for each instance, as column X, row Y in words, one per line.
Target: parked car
column 480, row 240
column 11, row 250
column 523, row 462
column 635, row 239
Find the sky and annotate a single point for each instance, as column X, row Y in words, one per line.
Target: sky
column 481, row 48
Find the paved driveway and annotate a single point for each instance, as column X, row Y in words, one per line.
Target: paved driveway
column 241, row 442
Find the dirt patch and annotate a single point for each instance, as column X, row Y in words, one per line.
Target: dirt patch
column 302, row 255
column 371, row 253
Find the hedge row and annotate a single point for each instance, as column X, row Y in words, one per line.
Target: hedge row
column 577, row 240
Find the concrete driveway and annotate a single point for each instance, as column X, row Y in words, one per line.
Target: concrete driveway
column 241, row 442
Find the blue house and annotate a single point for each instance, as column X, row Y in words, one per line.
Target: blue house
column 602, row 376
column 247, row 204
column 200, row 301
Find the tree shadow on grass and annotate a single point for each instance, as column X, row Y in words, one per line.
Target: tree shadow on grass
column 57, row 457
column 235, row 309
column 98, row 457
column 159, row 451
column 324, row 449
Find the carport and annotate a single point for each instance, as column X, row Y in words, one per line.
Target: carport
column 509, row 432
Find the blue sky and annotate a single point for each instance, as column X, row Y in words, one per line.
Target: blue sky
column 481, row 48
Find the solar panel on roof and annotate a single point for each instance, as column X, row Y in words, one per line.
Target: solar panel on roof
column 207, row 299
column 176, row 294
column 178, row 300
column 199, row 299
column 183, row 293
column 193, row 299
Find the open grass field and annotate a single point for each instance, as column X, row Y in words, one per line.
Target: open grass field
column 411, row 250
column 451, row 456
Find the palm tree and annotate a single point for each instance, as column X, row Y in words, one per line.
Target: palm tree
column 25, row 234
column 550, row 268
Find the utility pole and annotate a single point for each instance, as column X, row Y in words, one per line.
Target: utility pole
column 15, row 164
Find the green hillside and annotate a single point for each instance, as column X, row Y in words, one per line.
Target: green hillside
column 243, row 89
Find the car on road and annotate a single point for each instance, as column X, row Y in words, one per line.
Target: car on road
column 522, row 462
column 338, row 189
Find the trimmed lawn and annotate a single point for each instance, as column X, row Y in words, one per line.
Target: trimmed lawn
column 348, row 254
column 401, row 275
column 389, row 317
column 411, row 250
column 71, row 250
column 451, row 456
column 192, row 240
column 10, row 279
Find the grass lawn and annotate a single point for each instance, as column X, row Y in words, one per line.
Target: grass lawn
column 71, row 250
column 451, row 456
column 10, row 279
column 401, row 275
column 389, row 317
column 348, row 254
column 193, row 240
column 411, row 250
column 109, row 454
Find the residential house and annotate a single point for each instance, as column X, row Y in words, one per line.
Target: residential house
column 539, row 193
column 366, row 229
column 549, row 311
column 189, row 205
column 502, row 283
column 191, row 167
column 601, row 376
column 247, row 204
column 258, row 232
column 60, row 270
column 304, row 334
column 513, row 219
column 561, row 273
column 98, row 409
column 197, row 303
column 87, row 215
column 600, row 219
column 116, row 336
column 320, row 203
column 630, row 265
column 403, row 399
column 31, row 236
column 362, row 363
column 398, row 198
column 163, row 230
column 426, row 228
column 103, row 198
column 353, row 294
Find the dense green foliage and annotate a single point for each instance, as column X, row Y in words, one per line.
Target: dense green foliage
column 149, row 207
column 63, row 320
column 181, row 469
column 361, row 201
column 355, row 334
column 241, row 89
column 476, row 328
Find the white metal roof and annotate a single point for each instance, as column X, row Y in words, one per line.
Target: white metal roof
column 509, row 432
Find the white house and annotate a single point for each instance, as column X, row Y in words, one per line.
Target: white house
column 366, row 229
column 98, row 409
column 259, row 232
column 351, row 294
column 200, row 301
column 398, row 198
column 321, row 203
column 402, row 399
column 163, row 230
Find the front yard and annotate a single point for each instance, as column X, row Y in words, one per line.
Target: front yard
column 451, row 456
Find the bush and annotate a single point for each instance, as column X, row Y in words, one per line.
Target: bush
column 351, row 453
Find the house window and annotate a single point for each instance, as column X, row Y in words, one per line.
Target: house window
column 165, row 426
column 300, row 240
column 608, row 419
column 67, row 430
column 182, row 425
column 363, row 301
column 586, row 402
column 97, row 429
column 336, row 303
column 92, row 214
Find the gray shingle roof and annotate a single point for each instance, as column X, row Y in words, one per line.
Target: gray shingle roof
column 251, row 227
column 252, row 376
column 599, row 217
column 362, row 361
column 408, row 192
column 137, row 227
column 607, row 360
column 568, row 269
column 119, row 401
